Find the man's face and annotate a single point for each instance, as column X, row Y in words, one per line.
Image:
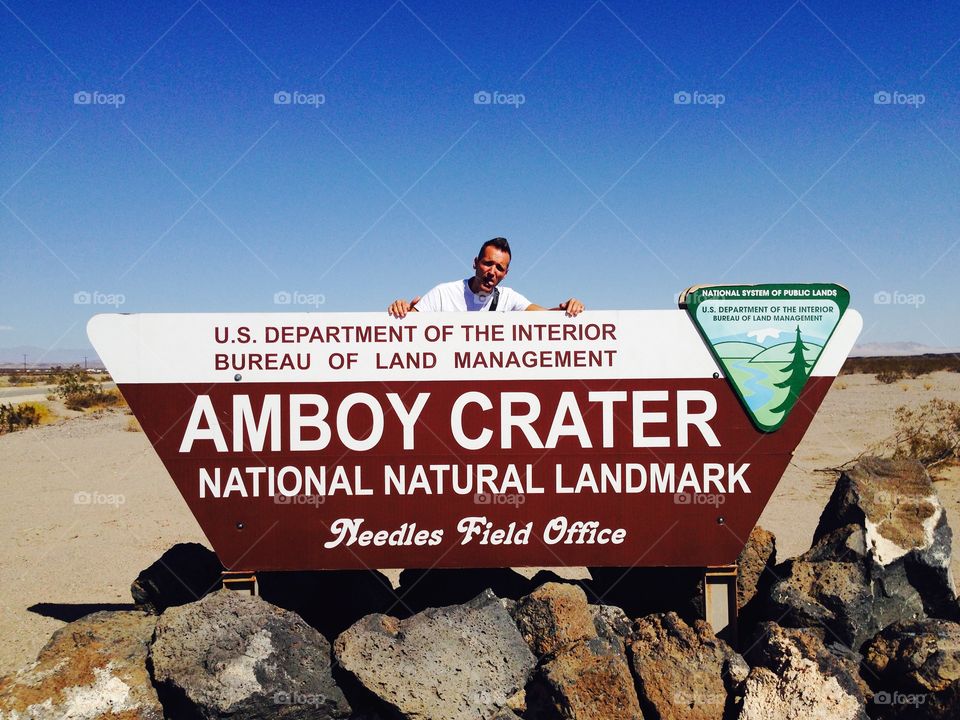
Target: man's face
column 491, row 268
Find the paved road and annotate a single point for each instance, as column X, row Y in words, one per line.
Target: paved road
column 34, row 393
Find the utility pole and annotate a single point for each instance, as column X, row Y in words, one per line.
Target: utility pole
column 24, row 362
column 84, row 362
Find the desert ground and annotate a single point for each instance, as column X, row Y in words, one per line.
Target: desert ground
column 86, row 503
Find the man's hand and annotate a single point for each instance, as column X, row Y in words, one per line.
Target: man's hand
column 400, row 308
column 572, row 307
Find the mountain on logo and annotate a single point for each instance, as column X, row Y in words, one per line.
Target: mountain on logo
column 767, row 339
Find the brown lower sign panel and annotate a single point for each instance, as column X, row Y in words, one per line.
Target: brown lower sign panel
column 285, row 476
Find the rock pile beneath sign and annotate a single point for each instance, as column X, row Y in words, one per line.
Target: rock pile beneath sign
column 862, row 625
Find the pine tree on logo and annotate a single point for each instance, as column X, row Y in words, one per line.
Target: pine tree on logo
column 797, row 378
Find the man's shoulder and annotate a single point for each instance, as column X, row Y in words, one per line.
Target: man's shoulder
column 516, row 300
column 454, row 285
column 445, row 296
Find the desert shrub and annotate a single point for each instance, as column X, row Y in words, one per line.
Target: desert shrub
column 929, row 433
column 119, row 400
column 911, row 365
column 890, row 376
column 17, row 417
column 132, row 425
column 80, row 391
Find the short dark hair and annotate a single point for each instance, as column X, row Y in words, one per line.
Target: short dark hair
column 499, row 243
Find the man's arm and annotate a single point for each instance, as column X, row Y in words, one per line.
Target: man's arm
column 400, row 308
column 571, row 307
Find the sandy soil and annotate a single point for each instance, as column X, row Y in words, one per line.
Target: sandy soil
column 86, row 504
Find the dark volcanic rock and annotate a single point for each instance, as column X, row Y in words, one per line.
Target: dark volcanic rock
column 589, row 680
column 893, row 504
column 183, row 574
column 916, row 665
column 881, row 554
column 680, row 669
column 919, row 656
column 458, row 662
column 795, row 676
column 613, row 625
column 235, row 655
column 92, row 669
column 841, row 597
column 553, row 616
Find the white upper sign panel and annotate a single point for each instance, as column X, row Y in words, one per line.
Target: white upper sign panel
column 358, row 347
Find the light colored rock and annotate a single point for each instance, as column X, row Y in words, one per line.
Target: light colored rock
column 794, row 676
column 455, row 663
column 234, row 655
column 800, row 691
column 92, row 669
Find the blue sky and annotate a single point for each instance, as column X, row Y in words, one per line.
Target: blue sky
column 200, row 192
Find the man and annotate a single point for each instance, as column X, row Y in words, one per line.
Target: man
column 480, row 292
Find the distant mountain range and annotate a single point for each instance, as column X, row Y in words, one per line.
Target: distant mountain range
column 896, row 349
column 45, row 357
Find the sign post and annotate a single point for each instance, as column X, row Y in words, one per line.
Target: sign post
column 309, row 441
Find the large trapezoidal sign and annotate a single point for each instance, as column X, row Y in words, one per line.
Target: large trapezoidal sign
column 329, row 440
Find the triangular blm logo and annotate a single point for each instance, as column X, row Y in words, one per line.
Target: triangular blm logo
column 767, row 339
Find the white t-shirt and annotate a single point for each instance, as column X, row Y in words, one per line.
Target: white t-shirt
column 457, row 295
